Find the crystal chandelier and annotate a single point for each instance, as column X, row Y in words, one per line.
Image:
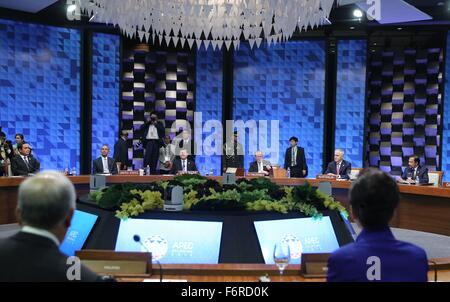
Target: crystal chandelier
column 213, row 23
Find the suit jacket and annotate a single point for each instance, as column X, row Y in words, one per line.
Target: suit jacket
column 233, row 158
column 399, row 261
column 177, row 166
column 301, row 160
column 254, row 167
column 33, row 258
column 121, row 152
column 423, row 174
column 98, row 166
column 344, row 171
column 144, row 131
column 20, row 168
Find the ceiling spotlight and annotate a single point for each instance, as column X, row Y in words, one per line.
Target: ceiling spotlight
column 71, row 8
column 352, row 27
column 357, row 13
column 399, row 28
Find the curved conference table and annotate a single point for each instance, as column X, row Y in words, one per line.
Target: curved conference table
column 421, row 208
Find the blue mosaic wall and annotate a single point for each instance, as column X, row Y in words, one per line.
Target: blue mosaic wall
column 105, row 91
column 285, row 82
column 350, row 99
column 446, row 116
column 208, row 100
column 39, row 90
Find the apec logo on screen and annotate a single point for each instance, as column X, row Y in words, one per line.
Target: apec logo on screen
column 172, row 241
column 80, row 228
column 304, row 235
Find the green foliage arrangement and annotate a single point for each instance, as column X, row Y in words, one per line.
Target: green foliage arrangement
column 200, row 193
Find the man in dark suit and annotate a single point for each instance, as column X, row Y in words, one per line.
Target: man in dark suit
column 152, row 134
column 183, row 164
column 24, row 164
column 376, row 255
column 105, row 164
column 45, row 209
column 121, row 150
column 415, row 172
column 260, row 165
column 339, row 167
column 295, row 160
column 233, row 154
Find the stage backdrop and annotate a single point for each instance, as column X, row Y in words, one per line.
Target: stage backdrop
column 105, row 91
column 285, row 82
column 405, row 91
column 40, row 90
column 446, row 117
column 350, row 99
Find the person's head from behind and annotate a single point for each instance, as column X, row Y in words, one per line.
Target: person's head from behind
column 47, row 201
column 24, row 149
column 293, row 141
column 183, row 154
column 104, row 150
column 413, row 161
column 259, row 156
column 19, row 138
column 338, row 155
column 373, row 198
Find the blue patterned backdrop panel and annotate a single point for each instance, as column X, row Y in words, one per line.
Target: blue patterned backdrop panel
column 105, row 91
column 446, row 121
column 350, row 99
column 39, row 90
column 285, row 83
column 208, row 101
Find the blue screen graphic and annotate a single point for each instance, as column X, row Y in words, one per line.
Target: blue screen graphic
column 172, row 241
column 80, row 228
column 304, row 235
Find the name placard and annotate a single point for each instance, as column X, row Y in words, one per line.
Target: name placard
column 125, row 172
column 324, row 176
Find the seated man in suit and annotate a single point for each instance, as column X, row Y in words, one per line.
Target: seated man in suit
column 24, row 164
column 105, row 164
column 376, row 255
column 339, row 167
column 183, row 164
column 121, row 150
column 260, row 165
column 295, row 160
column 45, row 208
column 415, row 172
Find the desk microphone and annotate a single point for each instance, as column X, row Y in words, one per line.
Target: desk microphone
column 137, row 238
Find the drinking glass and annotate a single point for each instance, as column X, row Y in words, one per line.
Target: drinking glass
column 281, row 256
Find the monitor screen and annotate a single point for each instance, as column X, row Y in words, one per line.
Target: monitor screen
column 79, row 230
column 304, row 235
column 172, row 241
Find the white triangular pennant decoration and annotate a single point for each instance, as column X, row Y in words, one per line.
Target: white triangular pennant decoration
column 167, row 39
column 228, row 44
column 190, row 43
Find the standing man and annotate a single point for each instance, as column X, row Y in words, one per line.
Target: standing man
column 152, row 139
column 105, row 164
column 339, row 167
column 19, row 141
column 233, row 154
column 415, row 172
column 166, row 156
column 295, row 160
column 24, row 164
column 121, row 151
column 260, row 165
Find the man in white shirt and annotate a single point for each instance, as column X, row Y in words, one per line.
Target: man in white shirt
column 152, row 134
column 166, row 156
column 105, row 164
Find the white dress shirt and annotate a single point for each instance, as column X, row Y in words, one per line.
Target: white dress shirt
column 184, row 165
column 260, row 167
column 294, row 156
column 40, row 232
column 152, row 132
column 105, row 165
